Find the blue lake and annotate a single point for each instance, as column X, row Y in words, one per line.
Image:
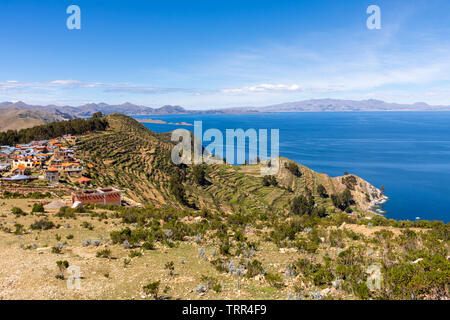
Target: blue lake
column 407, row 152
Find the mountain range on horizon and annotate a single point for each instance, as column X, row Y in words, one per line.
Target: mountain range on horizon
column 313, row 105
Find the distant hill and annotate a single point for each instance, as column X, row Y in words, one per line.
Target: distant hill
column 333, row 105
column 315, row 105
column 88, row 110
column 15, row 118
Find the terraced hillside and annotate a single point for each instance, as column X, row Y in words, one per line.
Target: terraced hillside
column 137, row 160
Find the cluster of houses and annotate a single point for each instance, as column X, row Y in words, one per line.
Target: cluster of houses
column 47, row 159
column 52, row 160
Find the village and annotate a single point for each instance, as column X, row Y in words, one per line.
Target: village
column 49, row 165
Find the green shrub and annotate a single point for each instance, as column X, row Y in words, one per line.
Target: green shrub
column 321, row 191
column 105, row 253
column 361, row 290
column 62, row 266
column 42, row 224
column 56, row 249
column 38, row 207
column 66, row 212
column 18, row 212
column 135, row 253
column 293, row 168
column 148, row 245
column 152, row 289
column 270, row 181
column 170, row 267
column 274, row 280
column 19, row 229
column 254, row 268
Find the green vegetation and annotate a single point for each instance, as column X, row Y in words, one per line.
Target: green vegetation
column 321, row 191
column 32, row 195
column 18, row 212
column 349, row 181
column 293, row 168
column 152, row 289
column 42, row 224
column 270, row 181
column 62, row 266
column 38, row 207
column 104, row 253
column 170, row 267
column 343, row 200
column 199, row 175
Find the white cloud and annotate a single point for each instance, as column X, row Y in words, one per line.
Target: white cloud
column 17, row 86
column 264, row 88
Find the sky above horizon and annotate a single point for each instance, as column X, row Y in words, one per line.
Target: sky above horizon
column 215, row 54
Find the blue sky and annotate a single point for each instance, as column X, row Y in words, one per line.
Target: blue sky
column 209, row 54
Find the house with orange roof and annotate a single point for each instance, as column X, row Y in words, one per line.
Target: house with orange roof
column 37, row 164
column 19, row 169
column 54, row 142
column 84, row 180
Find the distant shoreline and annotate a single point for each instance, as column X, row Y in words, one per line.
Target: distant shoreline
column 276, row 112
column 157, row 121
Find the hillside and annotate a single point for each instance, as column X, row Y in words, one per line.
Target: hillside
column 133, row 158
column 211, row 232
column 16, row 118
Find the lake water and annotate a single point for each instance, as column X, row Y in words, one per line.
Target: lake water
column 407, row 152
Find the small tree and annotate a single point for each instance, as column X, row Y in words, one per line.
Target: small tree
column 62, row 265
column 342, row 200
column 321, row 191
column 270, row 181
column 170, row 267
column 126, row 262
column 176, row 187
column 97, row 115
column 199, row 175
column 152, row 289
column 293, row 168
column 302, row 205
column 19, row 229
